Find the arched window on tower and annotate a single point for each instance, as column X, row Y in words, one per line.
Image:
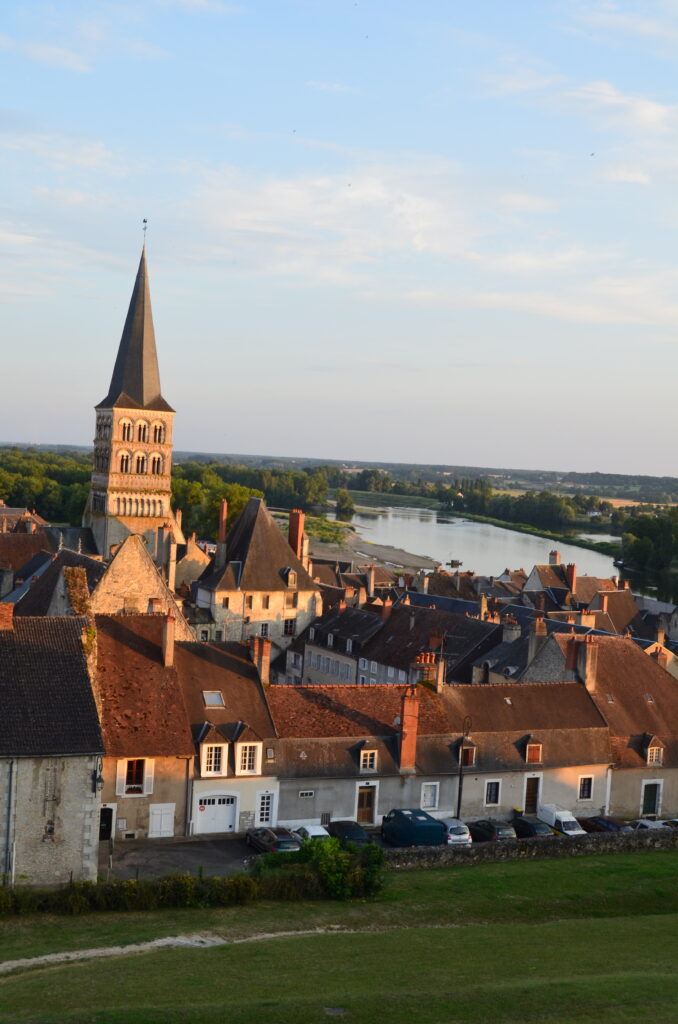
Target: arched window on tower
column 140, row 464
column 156, row 464
column 142, row 431
column 158, row 433
column 124, row 462
column 127, row 430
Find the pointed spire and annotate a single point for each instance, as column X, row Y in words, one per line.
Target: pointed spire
column 136, row 377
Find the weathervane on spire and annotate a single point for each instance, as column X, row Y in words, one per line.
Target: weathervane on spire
column 145, row 223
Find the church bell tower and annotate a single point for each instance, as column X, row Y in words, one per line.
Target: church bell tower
column 131, row 477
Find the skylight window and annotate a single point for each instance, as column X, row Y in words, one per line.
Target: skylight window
column 213, row 699
column 649, row 698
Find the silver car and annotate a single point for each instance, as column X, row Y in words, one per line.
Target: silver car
column 456, row 832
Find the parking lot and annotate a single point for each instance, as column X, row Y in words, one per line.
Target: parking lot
column 153, row 858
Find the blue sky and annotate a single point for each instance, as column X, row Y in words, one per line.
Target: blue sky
column 431, row 232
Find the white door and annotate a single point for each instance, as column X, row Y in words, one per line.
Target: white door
column 161, row 821
column 215, row 814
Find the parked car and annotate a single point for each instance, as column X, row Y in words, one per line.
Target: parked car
column 641, row 824
column 311, row 832
column 349, row 832
column 272, row 840
column 457, row 833
column 528, row 826
column 671, row 822
column 561, row 820
column 412, row 827
column 603, row 823
column 491, row 830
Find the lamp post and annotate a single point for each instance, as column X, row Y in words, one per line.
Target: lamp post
column 465, row 729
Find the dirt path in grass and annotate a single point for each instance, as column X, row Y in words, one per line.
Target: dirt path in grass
column 206, row 941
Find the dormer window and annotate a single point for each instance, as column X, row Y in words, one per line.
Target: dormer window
column 533, row 753
column 349, row 646
column 330, row 640
column 248, row 758
column 291, row 578
column 655, row 755
column 213, row 759
column 213, row 698
column 368, row 760
column 468, row 756
column 311, row 633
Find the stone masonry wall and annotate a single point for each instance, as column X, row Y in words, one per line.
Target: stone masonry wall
column 530, row 849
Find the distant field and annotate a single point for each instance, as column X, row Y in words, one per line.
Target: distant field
column 588, row 939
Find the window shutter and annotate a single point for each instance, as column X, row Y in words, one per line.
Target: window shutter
column 148, row 776
column 120, row 774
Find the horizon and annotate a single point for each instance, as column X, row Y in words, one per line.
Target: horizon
column 372, row 228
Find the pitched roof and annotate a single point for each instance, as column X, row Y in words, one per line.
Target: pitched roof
column 620, row 605
column 48, row 707
column 588, row 586
column 226, row 668
column 359, row 711
column 409, row 630
column 258, row 555
column 37, row 599
column 636, row 697
column 141, row 701
column 18, row 548
column 135, row 383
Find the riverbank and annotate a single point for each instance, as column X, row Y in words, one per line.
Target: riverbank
column 604, row 547
column 357, row 549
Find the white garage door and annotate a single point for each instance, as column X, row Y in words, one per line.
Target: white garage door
column 215, row 814
column 161, row 821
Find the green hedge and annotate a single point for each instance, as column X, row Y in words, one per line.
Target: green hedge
column 322, row 869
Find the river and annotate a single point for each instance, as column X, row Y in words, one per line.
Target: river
column 486, row 549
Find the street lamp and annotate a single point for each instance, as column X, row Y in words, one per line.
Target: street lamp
column 465, row 729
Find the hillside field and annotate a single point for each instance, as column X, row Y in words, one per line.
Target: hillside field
column 593, row 938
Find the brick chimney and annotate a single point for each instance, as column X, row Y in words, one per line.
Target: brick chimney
column 554, row 557
column 6, row 616
column 661, row 657
column 295, row 533
column 510, row 631
column 260, row 653
column 587, row 662
column 603, row 600
column 386, row 609
column 661, row 635
column 220, row 556
column 168, row 640
column 409, row 721
column 571, row 576
column 482, row 606
column 370, row 580
column 538, row 637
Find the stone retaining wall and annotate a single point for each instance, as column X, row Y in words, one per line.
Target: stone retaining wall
column 529, row 849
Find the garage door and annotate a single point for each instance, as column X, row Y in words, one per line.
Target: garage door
column 215, row 814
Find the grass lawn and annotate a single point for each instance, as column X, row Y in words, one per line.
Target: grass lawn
column 593, row 938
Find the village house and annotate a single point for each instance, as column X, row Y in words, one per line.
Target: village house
column 186, row 731
column 257, row 583
column 50, row 752
column 358, row 751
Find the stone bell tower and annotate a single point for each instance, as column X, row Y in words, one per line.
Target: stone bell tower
column 131, row 477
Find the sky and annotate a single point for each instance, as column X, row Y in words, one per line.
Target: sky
column 437, row 232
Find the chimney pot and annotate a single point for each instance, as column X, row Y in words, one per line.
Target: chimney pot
column 6, row 616
column 409, row 721
column 554, row 557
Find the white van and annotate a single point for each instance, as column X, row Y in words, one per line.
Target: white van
column 561, row 820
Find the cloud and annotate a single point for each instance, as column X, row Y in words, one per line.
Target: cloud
column 200, row 6
column 63, row 153
column 628, row 175
column 607, row 19
column 520, row 77
column 47, row 53
column 632, row 111
column 523, row 202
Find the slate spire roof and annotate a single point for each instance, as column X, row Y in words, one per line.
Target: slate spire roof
column 135, row 383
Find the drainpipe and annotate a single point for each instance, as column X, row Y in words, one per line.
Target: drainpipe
column 188, row 793
column 608, row 787
column 8, row 844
